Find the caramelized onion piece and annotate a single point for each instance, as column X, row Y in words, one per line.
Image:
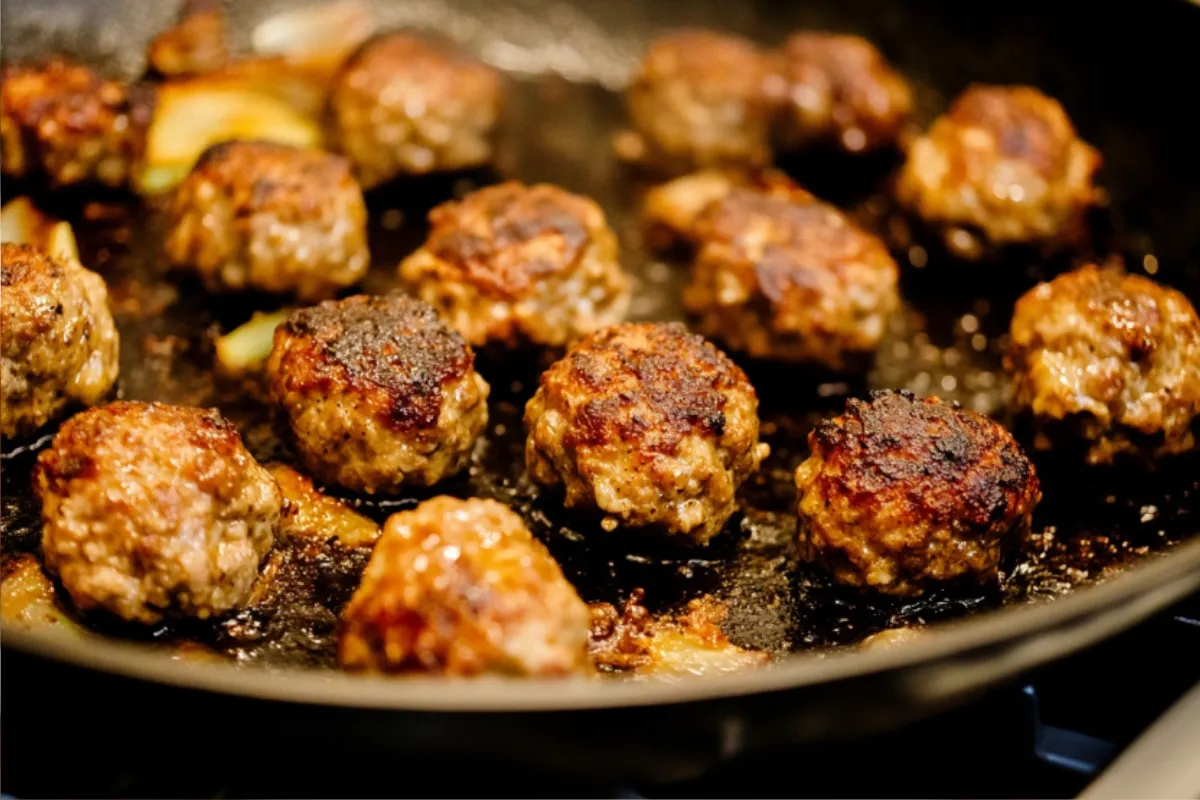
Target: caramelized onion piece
column 313, row 515
column 21, row 222
column 245, row 348
column 27, row 599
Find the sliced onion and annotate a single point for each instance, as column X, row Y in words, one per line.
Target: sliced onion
column 21, row 222
column 319, row 32
column 317, row 516
column 246, row 347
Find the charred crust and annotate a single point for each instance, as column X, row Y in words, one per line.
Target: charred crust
column 20, row 262
column 260, row 175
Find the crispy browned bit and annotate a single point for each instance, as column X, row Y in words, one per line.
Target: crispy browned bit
column 194, row 45
column 461, row 587
column 1110, row 358
column 378, row 392
column 648, row 423
column 516, row 264
column 891, row 637
column 903, row 493
column 310, row 514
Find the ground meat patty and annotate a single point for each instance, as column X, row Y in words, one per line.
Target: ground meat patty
column 903, row 493
column 1111, row 357
column 648, row 423
column 406, row 106
column 460, row 587
column 784, row 276
column 66, row 121
column 378, row 392
column 840, row 89
column 701, row 99
column 520, row 264
column 60, row 345
column 151, row 510
column 270, row 217
column 1003, row 166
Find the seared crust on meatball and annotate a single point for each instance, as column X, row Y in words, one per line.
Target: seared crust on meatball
column 150, row 510
column 670, row 210
column 520, row 264
column 1003, row 166
column 904, row 493
column 701, row 99
column 461, row 588
column 840, row 89
column 1111, row 357
column 60, row 345
column 64, row 120
column 648, row 423
column 378, row 392
column 406, row 106
column 787, row 277
column 270, row 217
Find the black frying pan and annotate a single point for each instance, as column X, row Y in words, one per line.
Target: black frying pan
column 1124, row 72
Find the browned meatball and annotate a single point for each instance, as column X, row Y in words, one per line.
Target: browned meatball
column 648, row 423
column 784, row 276
column 701, row 99
column 670, row 210
column 461, row 588
column 66, row 121
column 1111, row 357
column 150, row 510
column 903, row 493
column 60, row 345
column 406, row 106
column 520, row 264
column 378, row 392
column 1003, row 166
column 840, row 89
column 194, row 45
column 270, row 217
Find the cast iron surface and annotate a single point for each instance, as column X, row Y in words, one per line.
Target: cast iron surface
column 1092, row 525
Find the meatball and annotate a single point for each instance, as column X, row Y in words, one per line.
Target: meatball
column 1111, row 357
column 60, row 346
column 701, row 99
column 270, row 217
column 193, row 46
column 787, row 277
column 648, row 423
column 406, row 106
column 518, row 264
column 1004, row 166
column 378, row 392
column 461, row 588
column 903, row 493
column 840, row 89
column 151, row 510
column 670, row 210
column 64, row 120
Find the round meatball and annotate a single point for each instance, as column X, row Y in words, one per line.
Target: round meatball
column 66, row 121
column 406, row 106
column 1111, row 357
column 461, row 588
column 270, row 217
column 840, row 89
column 151, row 510
column 670, row 210
column 787, row 277
column 378, row 392
column 648, row 423
column 60, row 345
column 701, row 99
column 518, row 264
column 902, row 494
column 1003, row 166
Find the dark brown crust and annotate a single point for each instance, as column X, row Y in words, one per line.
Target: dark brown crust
column 20, row 262
column 1027, row 124
column 394, row 349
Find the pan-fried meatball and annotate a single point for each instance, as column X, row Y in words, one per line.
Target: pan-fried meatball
column 1003, row 166
column 670, row 210
column 520, row 264
column 196, row 44
column 1111, row 357
column 701, row 99
column 64, row 120
column 270, row 217
column 378, row 392
column 461, row 588
column 406, row 106
column 648, row 423
column 150, row 510
column 60, row 345
column 840, row 89
column 787, row 277
column 903, row 493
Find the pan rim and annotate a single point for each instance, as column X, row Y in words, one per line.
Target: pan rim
column 976, row 642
